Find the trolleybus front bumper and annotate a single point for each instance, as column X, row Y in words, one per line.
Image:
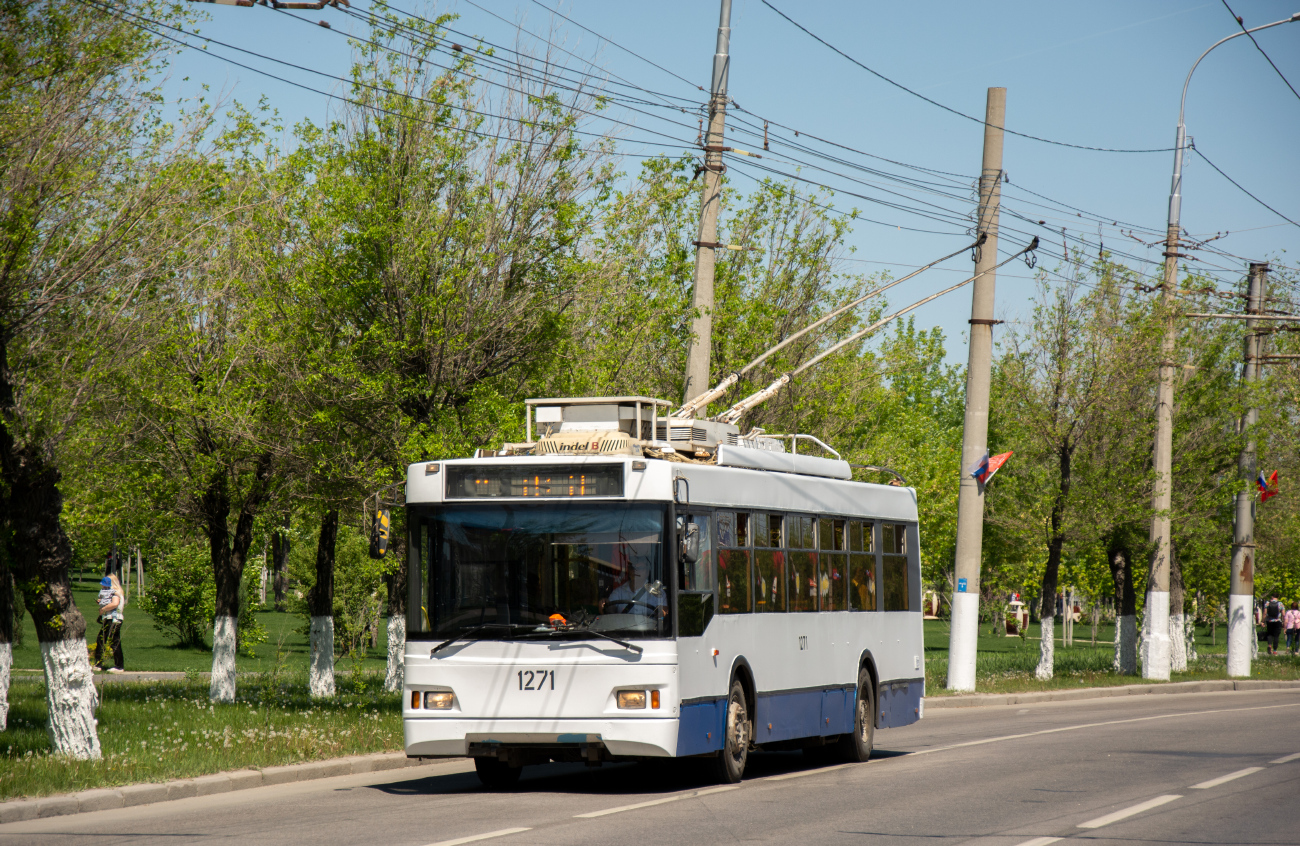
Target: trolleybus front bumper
column 440, row 737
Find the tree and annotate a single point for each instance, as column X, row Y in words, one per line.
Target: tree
column 84, row 167
column 1062, row 376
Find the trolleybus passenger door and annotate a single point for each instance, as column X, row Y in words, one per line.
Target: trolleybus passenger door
column 695, row 601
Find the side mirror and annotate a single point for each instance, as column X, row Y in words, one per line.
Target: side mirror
column 379, row 533
column 691, row 544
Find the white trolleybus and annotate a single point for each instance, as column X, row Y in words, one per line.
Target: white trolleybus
column 629, row 586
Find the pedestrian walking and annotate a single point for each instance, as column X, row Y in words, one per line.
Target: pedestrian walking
column 111, row 600
column 1292, row 621
column 1274, row 611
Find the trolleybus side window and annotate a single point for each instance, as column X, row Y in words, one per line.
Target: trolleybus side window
column 699, row 574
column 894, row 548
column 862, row 567
column 832, row 543
column 802, row 581
column 733, row 563
column 769, row 563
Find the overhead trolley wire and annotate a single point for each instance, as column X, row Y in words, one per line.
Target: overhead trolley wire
column 483, row 79
column 896, row 206
column 1240, row 188
column 853, row 215
column 1251, row 36
column 949, row 109
column 490, row 59
column 127, row 17
column 610, row 41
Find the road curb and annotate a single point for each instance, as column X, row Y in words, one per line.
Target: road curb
column 129, row 796
column 981, row 700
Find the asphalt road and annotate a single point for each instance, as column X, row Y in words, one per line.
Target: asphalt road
column 1220, row 768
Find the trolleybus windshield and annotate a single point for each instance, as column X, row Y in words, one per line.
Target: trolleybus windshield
column 564, row 567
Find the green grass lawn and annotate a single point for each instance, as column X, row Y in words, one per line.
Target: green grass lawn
column 146, row 648
column 1006, row 664
column 165, row 730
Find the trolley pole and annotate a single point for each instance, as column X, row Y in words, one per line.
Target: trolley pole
column 697, row 359
column 1241, row 591
column 970, row 496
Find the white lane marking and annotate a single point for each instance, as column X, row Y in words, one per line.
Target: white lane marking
column 664, row 801
column 1039, row 841
column 1128, row 812
column 474, row 838
column 1096, row 725
column 1288, row 759
column 803, row 773
column 1215, row 782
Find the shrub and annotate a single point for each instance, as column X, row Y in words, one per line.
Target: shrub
column 182, row 598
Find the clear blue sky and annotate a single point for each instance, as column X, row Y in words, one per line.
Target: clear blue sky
column 1105, row 74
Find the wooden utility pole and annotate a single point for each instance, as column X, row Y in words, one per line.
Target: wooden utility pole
column 970, row 493
column 1241, row 591
column 697, row 360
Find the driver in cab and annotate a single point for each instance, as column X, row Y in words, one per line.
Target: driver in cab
column 634, row 595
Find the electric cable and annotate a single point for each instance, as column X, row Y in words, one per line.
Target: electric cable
column 902, row 87
column 1251, row 36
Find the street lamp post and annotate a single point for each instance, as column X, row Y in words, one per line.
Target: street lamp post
column 1156, row 659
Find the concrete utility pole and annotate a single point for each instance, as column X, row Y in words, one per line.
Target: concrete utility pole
column 974, row 442
column 1241, row 592
column 1156, row 649
column 697, row 360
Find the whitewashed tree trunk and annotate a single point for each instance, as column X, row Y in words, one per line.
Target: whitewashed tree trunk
column 1126, row 644
column 1047, row 654
column 1189, row 634
column 321, row 671
column 224, row 633
column 71, row 698
column 6, row 665
column 395, row 676
column 1177, row 643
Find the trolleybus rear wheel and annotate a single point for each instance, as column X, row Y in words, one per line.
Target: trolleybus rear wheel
column 730, row 763
column 856, row 747
column 496, row 774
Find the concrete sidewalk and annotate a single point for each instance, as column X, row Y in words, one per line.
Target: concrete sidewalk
column 976, row 700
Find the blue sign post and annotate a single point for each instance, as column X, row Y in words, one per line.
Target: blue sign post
column 961, row 585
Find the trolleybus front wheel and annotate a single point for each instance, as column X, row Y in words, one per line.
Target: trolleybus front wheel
column 856, row 747
column 730, row 763
column 496, row 774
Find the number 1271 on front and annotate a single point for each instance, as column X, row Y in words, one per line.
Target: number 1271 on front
column 536, row 679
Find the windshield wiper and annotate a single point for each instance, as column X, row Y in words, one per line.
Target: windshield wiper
column 585, row 632
column 468, row 634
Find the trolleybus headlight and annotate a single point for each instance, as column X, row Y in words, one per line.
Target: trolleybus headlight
column 438, row 701
column 630, row 699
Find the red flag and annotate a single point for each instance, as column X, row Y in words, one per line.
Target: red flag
column 995, row 464
column 1270, row 491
